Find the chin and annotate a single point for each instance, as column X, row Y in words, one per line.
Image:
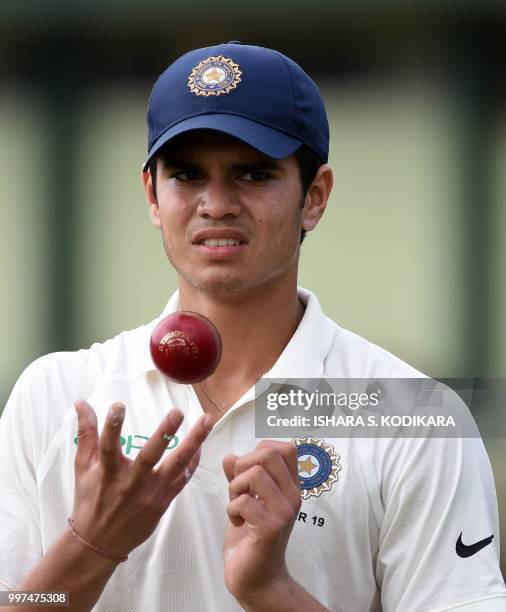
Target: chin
column 218, row 286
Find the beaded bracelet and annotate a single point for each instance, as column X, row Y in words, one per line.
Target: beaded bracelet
column 97, row 549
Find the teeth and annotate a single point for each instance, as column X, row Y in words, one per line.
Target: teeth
column 221, row 241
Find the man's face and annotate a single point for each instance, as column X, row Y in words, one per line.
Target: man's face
column 230, row 217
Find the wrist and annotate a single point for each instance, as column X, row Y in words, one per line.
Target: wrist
column 80, row 555
column 278, row 595
column 98, row 549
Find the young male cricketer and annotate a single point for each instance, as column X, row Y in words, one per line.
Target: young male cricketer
column 236, row 174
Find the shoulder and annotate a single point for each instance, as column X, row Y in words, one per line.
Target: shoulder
column 353, row 356
column 46, row 390
column 346, row 354
column 78, row 372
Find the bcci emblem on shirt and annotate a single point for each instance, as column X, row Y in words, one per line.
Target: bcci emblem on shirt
column 318, row 466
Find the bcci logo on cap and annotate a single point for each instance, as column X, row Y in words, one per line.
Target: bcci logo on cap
column 318, row 466
column 214, row 76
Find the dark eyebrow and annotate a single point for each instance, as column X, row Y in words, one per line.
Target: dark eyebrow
column 172, row 162
column 254, row 166
column 258, row 166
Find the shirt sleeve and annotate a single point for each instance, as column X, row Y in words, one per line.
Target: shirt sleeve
column 20, row 539
column 437, row 492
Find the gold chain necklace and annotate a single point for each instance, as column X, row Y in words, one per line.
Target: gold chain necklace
column 206, row 394
column 210, row 399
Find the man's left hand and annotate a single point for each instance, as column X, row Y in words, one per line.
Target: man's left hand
column 264, row 504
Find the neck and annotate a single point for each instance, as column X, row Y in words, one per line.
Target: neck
column 255, row 327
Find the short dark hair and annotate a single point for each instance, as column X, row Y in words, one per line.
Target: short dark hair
column 308, row 162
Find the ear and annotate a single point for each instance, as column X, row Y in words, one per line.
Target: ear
column 147, row 183
column 317, row 197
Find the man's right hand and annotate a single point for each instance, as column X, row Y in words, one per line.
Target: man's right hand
column 119, row 502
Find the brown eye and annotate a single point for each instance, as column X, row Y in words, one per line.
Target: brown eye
column 186, row 176
column 255, row 177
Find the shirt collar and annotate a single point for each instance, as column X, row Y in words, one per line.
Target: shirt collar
column 305, row 353
column 303, row 356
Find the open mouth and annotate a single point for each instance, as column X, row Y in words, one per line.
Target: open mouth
column 221, row 242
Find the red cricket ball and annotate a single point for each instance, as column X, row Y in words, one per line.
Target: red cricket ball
column 186, row 347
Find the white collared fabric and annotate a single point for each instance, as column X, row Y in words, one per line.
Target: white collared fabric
column 381, row 538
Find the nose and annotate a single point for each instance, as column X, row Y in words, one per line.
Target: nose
column 219, row 199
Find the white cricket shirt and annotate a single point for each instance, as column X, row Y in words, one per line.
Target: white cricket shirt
column 381, row 537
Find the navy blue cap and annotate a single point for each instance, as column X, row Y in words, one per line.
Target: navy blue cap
column 255, row 94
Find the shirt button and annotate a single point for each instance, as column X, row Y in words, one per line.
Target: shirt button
column 376, row 387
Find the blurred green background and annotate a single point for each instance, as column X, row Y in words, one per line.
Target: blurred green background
column 411, row 252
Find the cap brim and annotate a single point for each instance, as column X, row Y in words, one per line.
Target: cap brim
column 268, row 141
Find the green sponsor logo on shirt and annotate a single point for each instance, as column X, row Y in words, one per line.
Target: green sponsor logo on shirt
column 136, row 442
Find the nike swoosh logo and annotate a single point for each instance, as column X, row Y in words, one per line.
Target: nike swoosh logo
column 468, row 551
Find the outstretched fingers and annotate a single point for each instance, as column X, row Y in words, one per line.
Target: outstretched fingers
column 110, row 444
column 153, row 449
column 87, row 434
column 179, row 460
column 177, row 485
